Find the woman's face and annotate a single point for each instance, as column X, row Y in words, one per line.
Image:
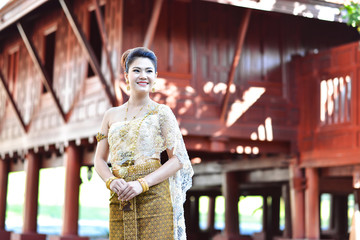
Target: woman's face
column 141, row 75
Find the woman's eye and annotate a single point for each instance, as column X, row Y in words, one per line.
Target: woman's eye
column 149, row 71
column 136, row 70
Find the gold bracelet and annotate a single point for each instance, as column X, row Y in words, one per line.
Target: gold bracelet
column 109, row 180
column 144, row 184
column 100, row 136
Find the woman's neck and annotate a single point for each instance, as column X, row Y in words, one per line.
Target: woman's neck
column 139, row 100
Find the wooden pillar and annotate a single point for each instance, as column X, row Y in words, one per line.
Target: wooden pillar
column 230, row 189
column 312, row 205
column 355, row 222
column 29, row 230
column 187, row 213
column 195, row 214
column 297, row 201
column 265, row 215
column 286, row 197
column 211, row 214
column 4, row 171
column 273, row 220
column 192, row 216
column 340, row 207
column 71, row 203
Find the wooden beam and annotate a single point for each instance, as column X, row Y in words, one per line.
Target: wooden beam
column 207, row 180
column 268, row 175
column 15, row 10
column 37, row 61
column 304, row 8
column 85, row 45
column 12, row 101
column 240, row 42
column 338, row 185
column 153, row 23
column 105, row 42
column 260, row 163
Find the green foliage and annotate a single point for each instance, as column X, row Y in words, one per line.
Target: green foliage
column 352, row 14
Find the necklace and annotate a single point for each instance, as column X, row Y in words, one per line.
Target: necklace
column 127, row 109
column 127, row 158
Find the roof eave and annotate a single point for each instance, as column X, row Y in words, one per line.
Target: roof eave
column 306, row 8
column 17, row 9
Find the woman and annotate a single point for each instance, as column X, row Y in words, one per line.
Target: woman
column 146, row 197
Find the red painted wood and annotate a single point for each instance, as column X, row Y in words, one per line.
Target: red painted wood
column 211, row 214
column 297, row 187
column 312, row 204
column 335, row 141
column 4, row 171
column 231, row 205
column 5, row 235
column 28, row 236
column 31, row 193
column 72, row 184
column 153, row 23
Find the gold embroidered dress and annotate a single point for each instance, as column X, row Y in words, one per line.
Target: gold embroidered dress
column 157, row 213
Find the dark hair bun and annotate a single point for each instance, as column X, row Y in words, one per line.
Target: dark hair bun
column 130, row 55
column 124, row 58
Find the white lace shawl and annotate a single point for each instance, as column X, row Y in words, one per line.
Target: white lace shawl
column 182, row 180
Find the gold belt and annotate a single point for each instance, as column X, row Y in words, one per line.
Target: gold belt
column 142, row 168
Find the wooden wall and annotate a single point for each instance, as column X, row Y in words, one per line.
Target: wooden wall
column 329, row 133
column 195, row 43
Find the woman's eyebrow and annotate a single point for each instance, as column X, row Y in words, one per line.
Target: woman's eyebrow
column 143, row 68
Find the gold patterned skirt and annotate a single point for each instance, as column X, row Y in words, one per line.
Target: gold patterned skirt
column 147, row 216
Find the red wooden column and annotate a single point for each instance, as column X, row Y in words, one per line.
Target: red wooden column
column 71, row 204
column 312, row 204
column 230, row 191
column 29, row 230
column 297, row 201
column 211, row 214
column 285, row 192
column 4, row 171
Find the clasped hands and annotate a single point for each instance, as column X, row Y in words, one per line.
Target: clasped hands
column 126, row 190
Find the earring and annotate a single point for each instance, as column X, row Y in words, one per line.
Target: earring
column 128, row 85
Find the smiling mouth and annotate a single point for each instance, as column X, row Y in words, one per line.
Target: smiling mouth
column 143, row 83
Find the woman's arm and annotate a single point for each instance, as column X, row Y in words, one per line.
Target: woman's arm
column 102, row 151
column 167, row 170
column 101, row 155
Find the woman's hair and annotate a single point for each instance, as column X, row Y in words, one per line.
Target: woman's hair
column 130, row 55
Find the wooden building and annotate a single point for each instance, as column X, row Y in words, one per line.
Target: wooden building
column 266, row 99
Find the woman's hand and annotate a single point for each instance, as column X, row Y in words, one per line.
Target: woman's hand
column 133, row 189
column 118, row 186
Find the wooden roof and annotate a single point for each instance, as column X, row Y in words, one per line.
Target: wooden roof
column 320, row 9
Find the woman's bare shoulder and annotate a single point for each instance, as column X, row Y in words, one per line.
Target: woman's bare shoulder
column 114, row 114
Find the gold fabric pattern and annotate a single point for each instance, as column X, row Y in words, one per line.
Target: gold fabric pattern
column 144, row 139
column 148, row 215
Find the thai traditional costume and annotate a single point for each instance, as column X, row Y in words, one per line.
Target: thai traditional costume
column 135, row 147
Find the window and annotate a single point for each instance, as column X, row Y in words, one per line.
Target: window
column 49, row 56
column 335, row 100
column 325, row 211
column 94, row 38
column 13, row 62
